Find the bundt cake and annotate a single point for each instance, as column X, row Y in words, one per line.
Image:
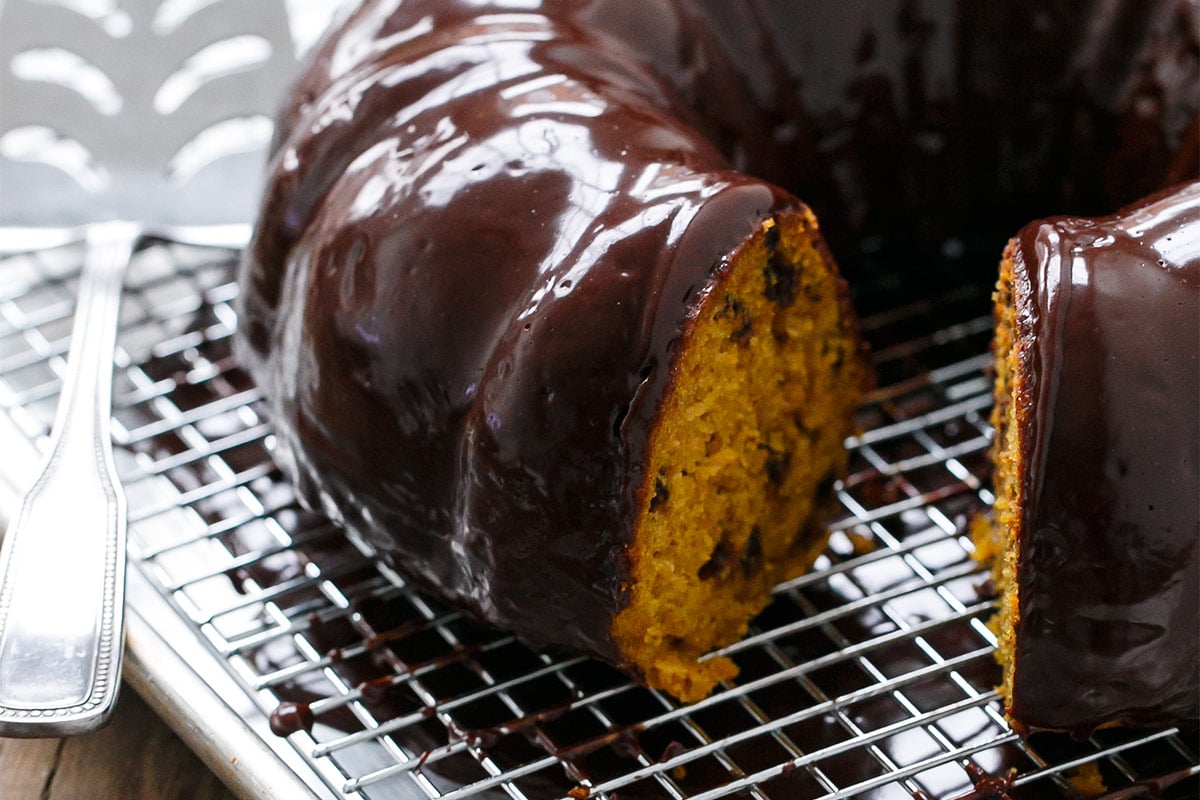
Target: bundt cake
column 525, row 321
column 526, row 330
column 1097, row 467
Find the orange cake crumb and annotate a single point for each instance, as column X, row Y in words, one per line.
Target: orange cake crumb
column 749, row 437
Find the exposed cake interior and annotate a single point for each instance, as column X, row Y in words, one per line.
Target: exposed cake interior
column 749, row 436
column 996, row 539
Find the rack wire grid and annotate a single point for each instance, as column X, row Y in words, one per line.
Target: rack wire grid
column 872, row 675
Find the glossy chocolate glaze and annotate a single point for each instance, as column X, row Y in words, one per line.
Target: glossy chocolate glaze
column 493, row 210
column 465, row 196
column 1109, row 542
column 986, row 786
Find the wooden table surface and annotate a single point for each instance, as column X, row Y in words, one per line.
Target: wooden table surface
column 137, row 757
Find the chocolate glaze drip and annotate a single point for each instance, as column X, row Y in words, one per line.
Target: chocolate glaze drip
column 464, row 197
column 1109, row 541
column 289, row 718
column 594, row 756
column 986, row 787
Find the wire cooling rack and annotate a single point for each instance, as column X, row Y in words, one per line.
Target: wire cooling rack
column 870, row 676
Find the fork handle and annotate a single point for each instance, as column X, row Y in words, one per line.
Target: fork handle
column 62, row 567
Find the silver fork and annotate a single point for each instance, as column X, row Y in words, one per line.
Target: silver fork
column 62, row 566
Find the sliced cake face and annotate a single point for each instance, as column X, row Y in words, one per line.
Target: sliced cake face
column 1098, row 467
column 747, row 442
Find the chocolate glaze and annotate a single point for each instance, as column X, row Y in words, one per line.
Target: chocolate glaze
column 465, row 196
column 289, row 718
column 986, row 786
column 1109, row 540
column 426, row 375
column 914, row 129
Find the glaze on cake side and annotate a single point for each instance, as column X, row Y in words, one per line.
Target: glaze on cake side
column 1098, row 467
column 485, row 252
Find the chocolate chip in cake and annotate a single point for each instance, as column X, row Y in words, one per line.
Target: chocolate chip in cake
column 752, row 553
column 717, row 562
column 771, row 236
column 661, row 495
column 743, row 326
column 781, row 281
column 777, row 464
